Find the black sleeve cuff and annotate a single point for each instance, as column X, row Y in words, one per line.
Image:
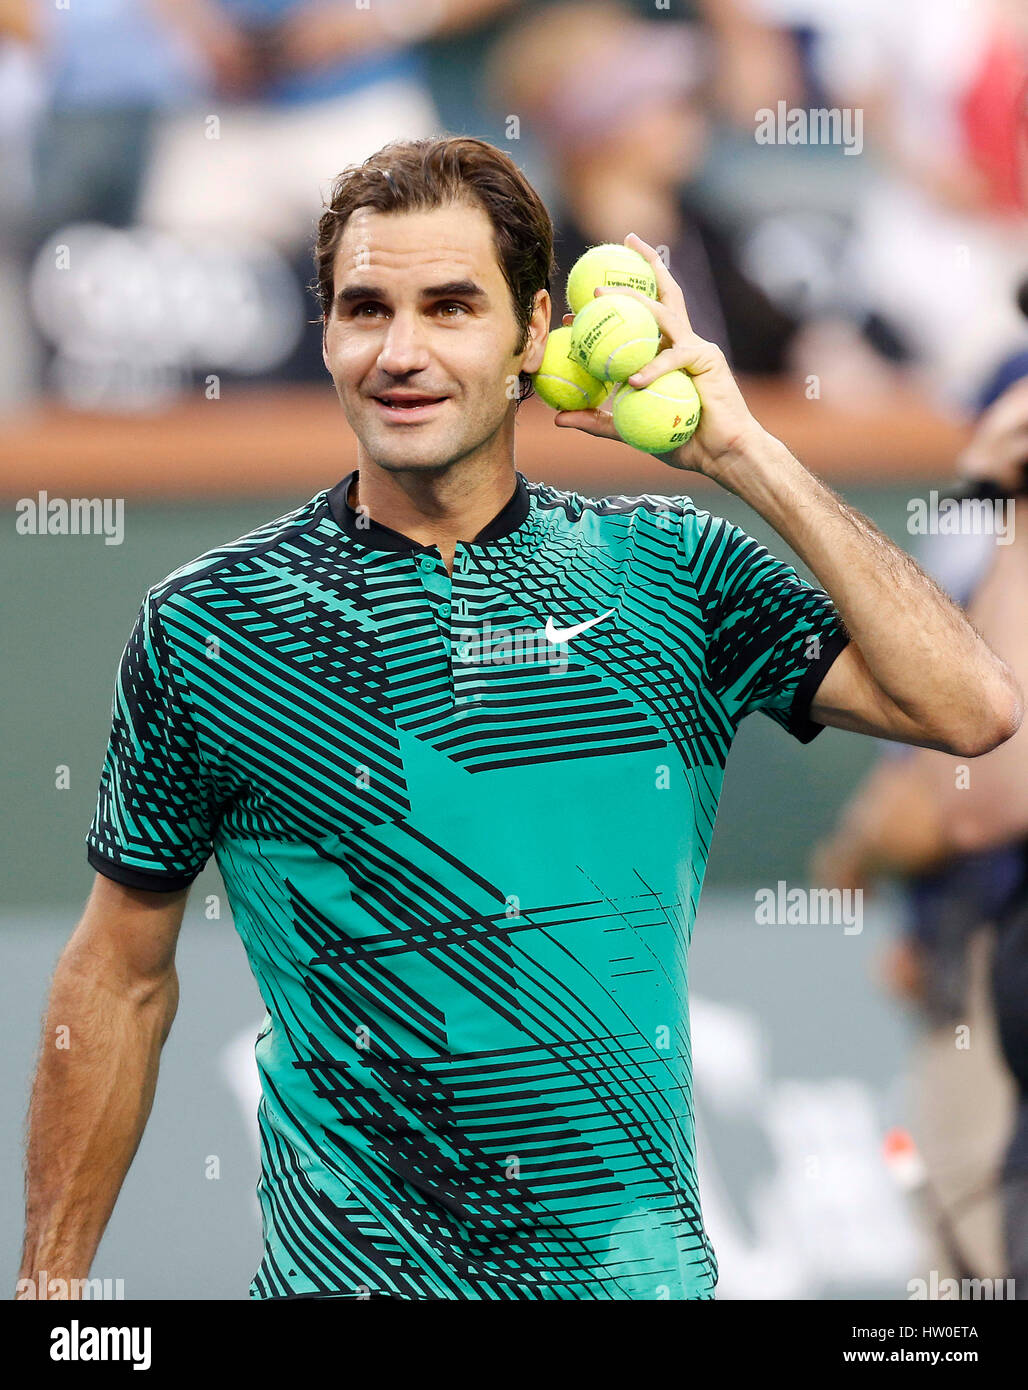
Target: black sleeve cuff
column 801, row 726
column 138, row 878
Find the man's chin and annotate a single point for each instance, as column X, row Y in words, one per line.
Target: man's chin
column 421, row 450
column 396, row 459
column 410, row 451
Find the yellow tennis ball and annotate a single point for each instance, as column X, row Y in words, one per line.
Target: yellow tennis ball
column 659, row 417
column 609, row 264
column 561, row 381
column 614, row 336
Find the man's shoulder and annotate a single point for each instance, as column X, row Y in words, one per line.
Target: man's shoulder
column 198, row 575
column 577, row 505
column 615, row 514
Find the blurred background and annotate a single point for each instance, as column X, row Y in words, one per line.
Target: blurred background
column 163, row 165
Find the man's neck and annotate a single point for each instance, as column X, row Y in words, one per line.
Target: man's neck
column 433, row 509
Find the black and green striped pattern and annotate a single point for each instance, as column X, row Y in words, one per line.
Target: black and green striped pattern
column 465, row 869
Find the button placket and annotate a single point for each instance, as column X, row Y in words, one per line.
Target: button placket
column 438, row 587
column 465, row 673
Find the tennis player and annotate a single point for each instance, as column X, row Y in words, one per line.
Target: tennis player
column 456, row 740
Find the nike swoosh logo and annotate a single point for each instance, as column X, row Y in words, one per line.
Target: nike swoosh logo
column 565, row 634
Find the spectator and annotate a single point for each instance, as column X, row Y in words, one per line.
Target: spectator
column 962, row 846
column 311, row 87
column 626, row 128
column 111, row 70
column 21, row 103
column 950, row 208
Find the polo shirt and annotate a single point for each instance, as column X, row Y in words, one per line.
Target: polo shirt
column 464, row 858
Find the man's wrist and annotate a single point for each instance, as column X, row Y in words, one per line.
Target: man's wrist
column 755, row 468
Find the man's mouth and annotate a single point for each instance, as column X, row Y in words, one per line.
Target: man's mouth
column 404, row 406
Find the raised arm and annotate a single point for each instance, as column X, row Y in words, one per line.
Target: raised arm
column 112, row 1001
column 915, row 670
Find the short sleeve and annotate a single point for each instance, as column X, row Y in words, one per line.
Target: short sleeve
column 155, row 812
column 771, row 636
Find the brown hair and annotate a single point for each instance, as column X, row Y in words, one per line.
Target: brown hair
column 415, row 175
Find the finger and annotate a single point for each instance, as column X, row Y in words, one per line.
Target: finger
column 596, row 421
column 681, row 348
column 672, row 322
column 567, row 319
column 670, row 360
column 693, row 355
column 668, row 288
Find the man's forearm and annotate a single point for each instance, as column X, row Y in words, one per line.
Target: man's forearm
column 899, row 618
column 94, row 1089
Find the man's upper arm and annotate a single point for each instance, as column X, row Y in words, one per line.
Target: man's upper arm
column 129, row 933
column 850, row 698
column 156, row 808
column 772, row 638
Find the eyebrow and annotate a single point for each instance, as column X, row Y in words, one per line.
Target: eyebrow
column 452, row 289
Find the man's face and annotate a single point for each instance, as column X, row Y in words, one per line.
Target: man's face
column 421, row 309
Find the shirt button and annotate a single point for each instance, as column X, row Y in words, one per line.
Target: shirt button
column 462, row 650
column 444, row 610
column 426, row 563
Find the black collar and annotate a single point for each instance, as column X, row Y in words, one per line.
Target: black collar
column 370, row 533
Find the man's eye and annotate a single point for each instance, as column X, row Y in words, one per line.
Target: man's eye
column 359, row 309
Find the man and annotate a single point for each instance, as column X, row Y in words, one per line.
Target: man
column 457, row 740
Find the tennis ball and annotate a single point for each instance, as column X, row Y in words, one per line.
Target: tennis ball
column 659, row 417
column 561, row 381
column 614, row 336
column 608, row 264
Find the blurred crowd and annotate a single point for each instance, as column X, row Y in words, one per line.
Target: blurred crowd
column 179, row 150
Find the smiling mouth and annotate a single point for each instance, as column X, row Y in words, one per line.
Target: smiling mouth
column 411, row 406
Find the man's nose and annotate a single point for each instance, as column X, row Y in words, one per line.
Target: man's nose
column 404, row 349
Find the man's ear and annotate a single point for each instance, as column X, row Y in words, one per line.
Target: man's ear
column 324, row 344
column 539, row 327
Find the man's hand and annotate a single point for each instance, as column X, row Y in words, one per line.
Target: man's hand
column 725, row 420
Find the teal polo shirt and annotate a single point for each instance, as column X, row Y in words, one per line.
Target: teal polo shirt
column 463, row 823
